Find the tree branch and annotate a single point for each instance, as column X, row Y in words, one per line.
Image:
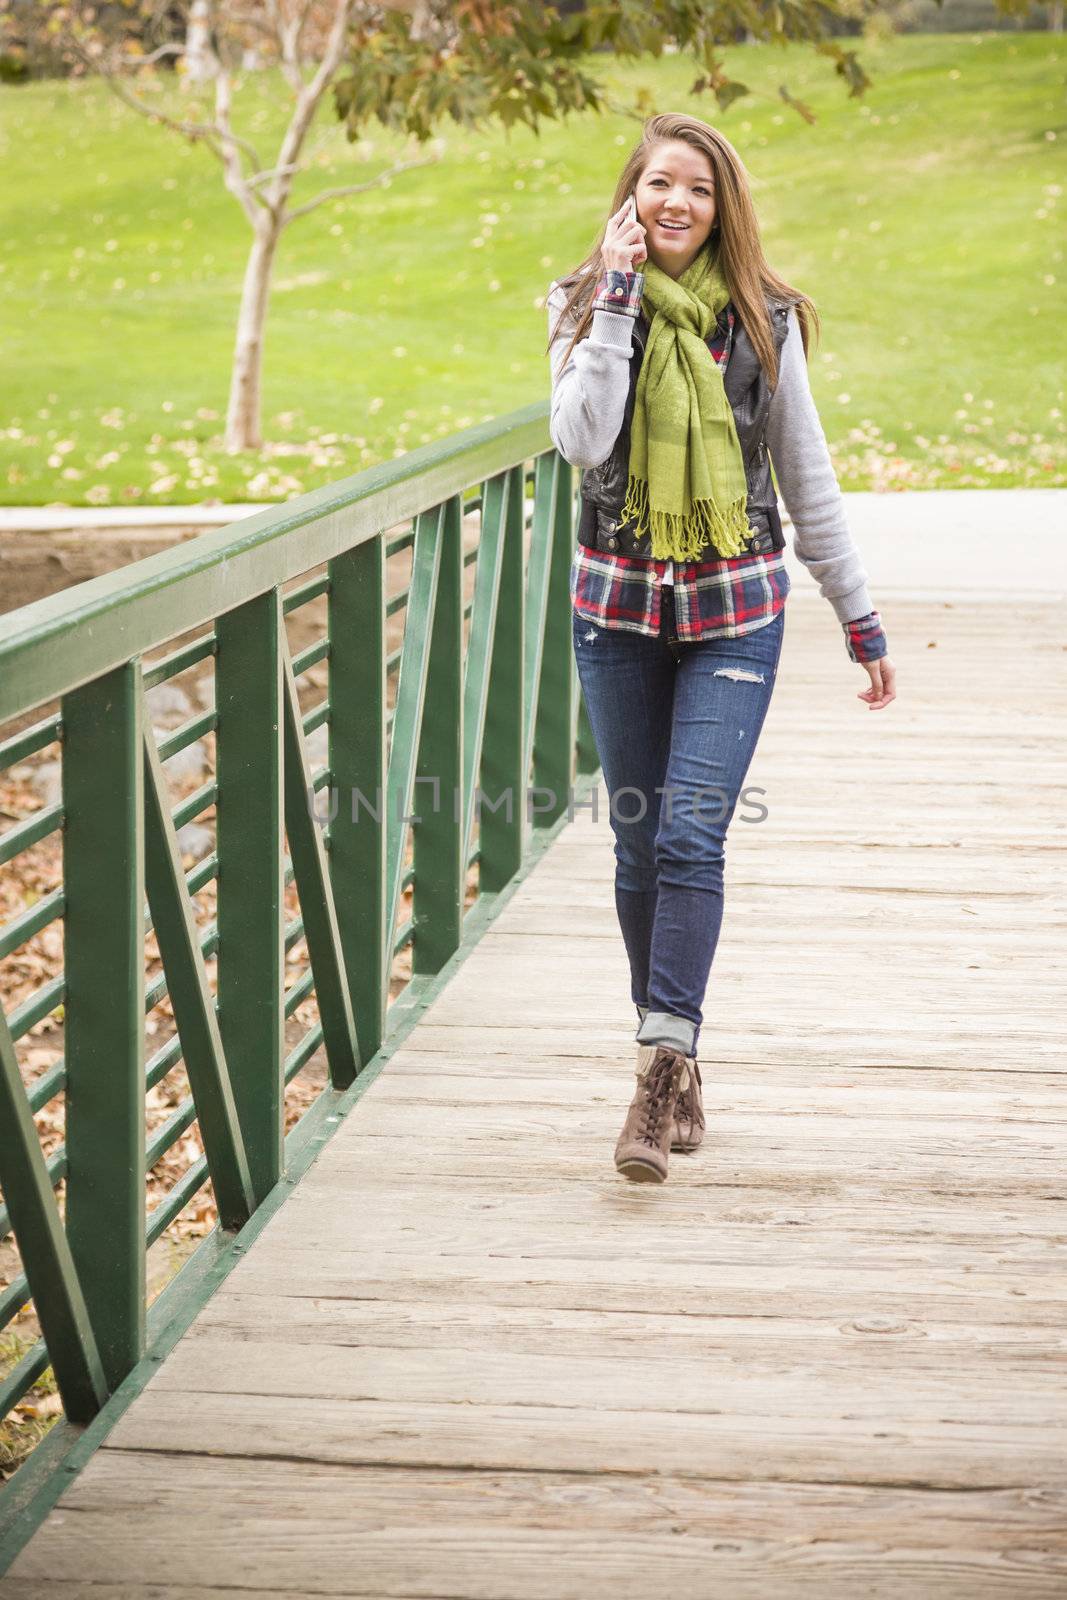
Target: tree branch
column 354, row 188
column 260, row 178
column 301, row 23
column 236, row 182
column 285, row 37
column 161, row 50
column 307, row 102
column 192, row 130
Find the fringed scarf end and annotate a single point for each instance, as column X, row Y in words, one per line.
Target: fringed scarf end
column 708, row 532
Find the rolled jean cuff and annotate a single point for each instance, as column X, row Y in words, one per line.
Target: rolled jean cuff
column 660, row 1027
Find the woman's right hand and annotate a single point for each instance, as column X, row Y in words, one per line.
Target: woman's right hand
column 623, row 249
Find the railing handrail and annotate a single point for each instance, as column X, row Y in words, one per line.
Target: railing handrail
column 55, row 645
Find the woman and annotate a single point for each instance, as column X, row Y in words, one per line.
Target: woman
column 669, row 384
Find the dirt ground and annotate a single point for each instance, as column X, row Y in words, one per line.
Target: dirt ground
column 38, row 564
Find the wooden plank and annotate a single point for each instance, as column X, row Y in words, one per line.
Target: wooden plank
column 746, row 1075
column 985, row 1096
column 1024, row 1213
column 557, row 1536
column 1017, row 982
column 1033, row 1260
column 745, row 1160
column 995, row 1010
column 893, row 1384
column 939, row 1453
column 741, row 1164
column 906, row 1040
column 654, row 1335
column 1016, row 942
column 740, row 1289
column 1026, row 1228
column 534, row 1132
column 539, row 1007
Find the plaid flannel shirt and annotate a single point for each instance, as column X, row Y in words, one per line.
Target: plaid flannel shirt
column 712, row 599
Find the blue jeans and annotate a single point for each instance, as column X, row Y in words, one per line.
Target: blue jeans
column 675, row 725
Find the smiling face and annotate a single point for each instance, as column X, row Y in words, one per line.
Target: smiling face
column 677, row 185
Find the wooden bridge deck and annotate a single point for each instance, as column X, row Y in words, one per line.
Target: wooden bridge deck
column 467, row 1359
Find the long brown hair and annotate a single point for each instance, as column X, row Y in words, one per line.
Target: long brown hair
column 735, row 233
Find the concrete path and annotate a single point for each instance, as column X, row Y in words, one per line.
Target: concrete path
column 919, row 542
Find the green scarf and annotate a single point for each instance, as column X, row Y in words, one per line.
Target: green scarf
column 686, row 475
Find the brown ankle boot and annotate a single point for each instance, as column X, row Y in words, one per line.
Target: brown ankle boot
column 687, row 1129
column 642, row 1148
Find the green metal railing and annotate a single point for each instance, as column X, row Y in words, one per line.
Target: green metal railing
column 471, row 724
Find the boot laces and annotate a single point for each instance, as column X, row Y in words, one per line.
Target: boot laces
column 685, row 1108
column 658, row 1083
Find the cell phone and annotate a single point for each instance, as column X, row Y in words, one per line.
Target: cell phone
column 631, row 216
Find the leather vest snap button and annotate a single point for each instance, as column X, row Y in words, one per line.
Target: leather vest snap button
column 612, row 542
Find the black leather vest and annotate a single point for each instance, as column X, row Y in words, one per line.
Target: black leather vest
column 603, row 488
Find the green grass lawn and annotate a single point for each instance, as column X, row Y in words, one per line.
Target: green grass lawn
column 926, row 220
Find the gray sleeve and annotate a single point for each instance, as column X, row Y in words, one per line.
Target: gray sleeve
column 809, row 487
column 589, row 393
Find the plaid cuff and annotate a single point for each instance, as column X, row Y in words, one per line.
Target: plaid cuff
column 620, row 291
column 865, row 640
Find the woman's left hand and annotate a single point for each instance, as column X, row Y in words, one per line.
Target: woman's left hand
column 883, row 689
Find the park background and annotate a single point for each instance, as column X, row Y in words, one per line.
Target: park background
column 924, row 217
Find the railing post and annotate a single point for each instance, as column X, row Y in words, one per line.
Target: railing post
column 248, row 699
column 410, row 702
column 192, row 1001
column 502, row 808
column 46, row 1256
column 553, row 740
column 103, row 871
column 315, row 888
column 440, row 873
column 357, row 750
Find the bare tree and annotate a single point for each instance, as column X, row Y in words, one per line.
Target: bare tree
column 307, row 40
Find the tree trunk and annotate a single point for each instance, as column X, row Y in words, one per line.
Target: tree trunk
column 242, row 415
column 200, row 62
